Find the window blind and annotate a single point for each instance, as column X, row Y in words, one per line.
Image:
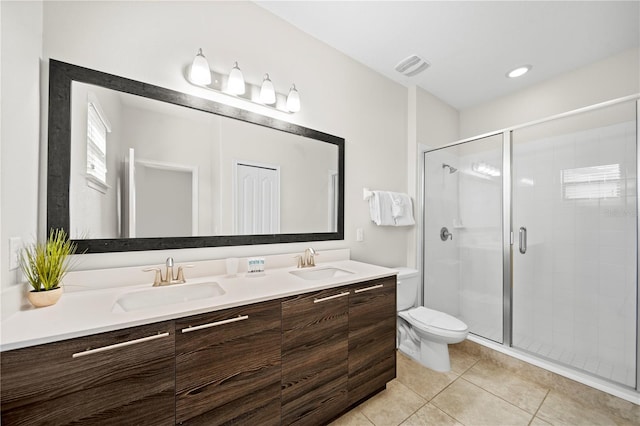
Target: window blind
column 96, row 145
column 592, row 182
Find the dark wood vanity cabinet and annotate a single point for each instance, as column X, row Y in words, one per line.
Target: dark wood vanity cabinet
column 300, row 360
column 315, row 351
column 228, row 366
column 372, row 337
column 113, row 378
column 338, row 348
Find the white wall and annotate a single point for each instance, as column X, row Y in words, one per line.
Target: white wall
column 611, row 78
column 154, row 42
column 432, row 123
column 437, row 122
column 21, row 50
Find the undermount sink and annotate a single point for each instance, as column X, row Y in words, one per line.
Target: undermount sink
column 169, row 295
column 320, row 273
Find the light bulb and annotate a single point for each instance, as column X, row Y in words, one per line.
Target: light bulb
column 520, row 71
column 293, row 99
column 235, row 83
column 267, row 91
column 200, row 72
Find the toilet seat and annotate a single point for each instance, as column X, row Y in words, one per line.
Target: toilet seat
column 435, row 321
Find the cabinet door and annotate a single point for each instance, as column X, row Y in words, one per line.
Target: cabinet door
column 228, row 366
column 114, row 378
column 372, row 337
column 314, row 356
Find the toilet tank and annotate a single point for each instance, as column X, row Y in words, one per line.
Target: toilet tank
column 407, row 293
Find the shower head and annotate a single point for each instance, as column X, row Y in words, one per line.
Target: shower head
column 451, row 169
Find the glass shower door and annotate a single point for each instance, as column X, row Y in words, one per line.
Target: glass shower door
column 574, row 255
column 463, row 234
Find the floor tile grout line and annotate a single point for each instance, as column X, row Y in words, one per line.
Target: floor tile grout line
column 366, row 417
column 470, row 367
column 499, row 397
column 454, row 380
column 426, row 401
column 548, row 389
column 440, row 408
column 540, row 406
column 460, row 376
column 412, row 413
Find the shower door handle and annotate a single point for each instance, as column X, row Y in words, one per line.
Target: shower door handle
column 523, row 239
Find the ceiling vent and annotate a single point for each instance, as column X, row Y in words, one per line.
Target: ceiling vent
column 412, row 65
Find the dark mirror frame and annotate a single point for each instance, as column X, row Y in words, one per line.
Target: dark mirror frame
column 61, row 75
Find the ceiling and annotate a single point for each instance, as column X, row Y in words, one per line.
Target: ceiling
column 470, row 44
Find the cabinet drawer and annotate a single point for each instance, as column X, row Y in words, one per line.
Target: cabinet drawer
column 372, row 337
column 315, row 356
column 228, row 366
column 124, row 376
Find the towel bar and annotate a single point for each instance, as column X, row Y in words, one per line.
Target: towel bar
column 366, row 194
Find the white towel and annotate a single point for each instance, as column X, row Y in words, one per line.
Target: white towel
column 402, row 209
column 391, row 209
column 380, row 206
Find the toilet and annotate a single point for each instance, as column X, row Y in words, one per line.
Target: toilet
column 424, row 334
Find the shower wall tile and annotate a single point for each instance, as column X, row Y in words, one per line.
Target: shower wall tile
column 563, row 261
column 588, row 238
column 612, row 219
column 571, row 296
column 613, row 256
column 587, row 267
column 585, row 340
column 612, row 238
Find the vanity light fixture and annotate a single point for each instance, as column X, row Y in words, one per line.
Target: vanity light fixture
column 293, row 99
column 267, row 91
column 233, row 84
column 520, row 71
column 199, row 72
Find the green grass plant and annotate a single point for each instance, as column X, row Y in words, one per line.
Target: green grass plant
column 45, row 264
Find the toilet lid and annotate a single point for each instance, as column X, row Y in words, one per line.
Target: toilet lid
column 437, row 319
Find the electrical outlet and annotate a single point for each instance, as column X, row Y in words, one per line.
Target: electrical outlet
column 15, row 245
column 359, row 234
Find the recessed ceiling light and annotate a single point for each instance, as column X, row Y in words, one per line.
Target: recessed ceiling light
column 520, row 71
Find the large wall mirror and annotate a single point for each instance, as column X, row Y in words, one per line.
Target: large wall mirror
column 132, row 166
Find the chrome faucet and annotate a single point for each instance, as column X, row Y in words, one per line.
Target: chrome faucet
column 307, row 259
column 169, row 278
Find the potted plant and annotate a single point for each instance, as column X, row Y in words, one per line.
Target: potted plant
column 44, row 265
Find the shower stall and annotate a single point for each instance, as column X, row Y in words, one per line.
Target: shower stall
column 530, row 236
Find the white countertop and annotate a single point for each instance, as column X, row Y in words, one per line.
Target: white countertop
column 89, row 312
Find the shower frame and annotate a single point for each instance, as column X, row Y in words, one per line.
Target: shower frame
column 507, row 231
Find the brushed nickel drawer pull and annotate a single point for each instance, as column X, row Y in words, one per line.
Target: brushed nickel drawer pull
column 373, row 287
column 214, row 324
column 335, row 296
column 119, row 345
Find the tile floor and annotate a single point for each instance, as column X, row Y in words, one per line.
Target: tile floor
column 476, row 391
